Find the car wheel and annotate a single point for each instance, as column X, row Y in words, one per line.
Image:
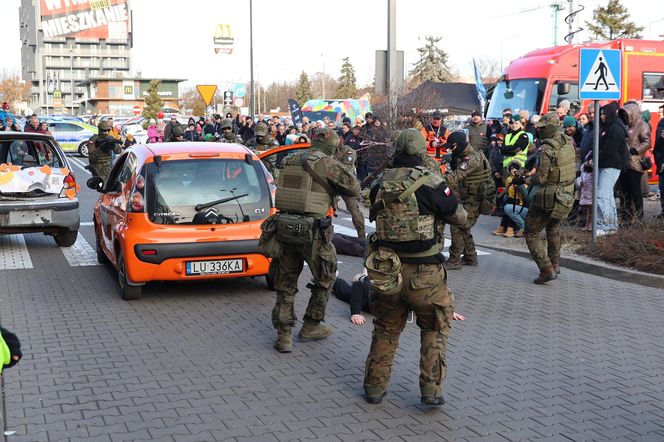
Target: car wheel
column 66, row 238
column 128, row 292
column 83, row 149
column 270, row 283
column 101, row 256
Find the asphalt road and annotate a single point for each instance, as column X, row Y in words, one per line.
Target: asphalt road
column 578, row 359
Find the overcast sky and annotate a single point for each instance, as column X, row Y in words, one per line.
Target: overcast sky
column 173, row 38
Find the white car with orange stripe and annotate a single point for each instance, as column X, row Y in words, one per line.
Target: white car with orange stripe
column 38, row 192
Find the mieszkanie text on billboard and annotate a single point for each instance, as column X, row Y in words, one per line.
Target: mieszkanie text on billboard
column 85, row 19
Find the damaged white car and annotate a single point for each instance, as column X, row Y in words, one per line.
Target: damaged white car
column 38, row 192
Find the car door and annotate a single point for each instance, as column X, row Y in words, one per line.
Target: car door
column 114, row 200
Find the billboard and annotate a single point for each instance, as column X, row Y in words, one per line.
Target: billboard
column 85, row 19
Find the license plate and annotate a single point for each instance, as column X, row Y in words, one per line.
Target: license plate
column 218, row 267
column 27, row 217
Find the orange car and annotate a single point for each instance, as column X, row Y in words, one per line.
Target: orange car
column 182, row 211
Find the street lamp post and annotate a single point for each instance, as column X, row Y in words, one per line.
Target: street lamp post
column 251, row 57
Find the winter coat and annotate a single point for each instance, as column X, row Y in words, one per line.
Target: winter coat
column 658, row 151
column 612, row 139
column 638, row 135
column 153, row 134
column 584, row 183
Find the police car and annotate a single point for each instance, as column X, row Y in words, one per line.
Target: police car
column 72, row 135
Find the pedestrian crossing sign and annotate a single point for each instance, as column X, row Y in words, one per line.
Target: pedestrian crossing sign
column 599, row 74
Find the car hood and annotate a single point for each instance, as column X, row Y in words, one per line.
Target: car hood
column 46, row 179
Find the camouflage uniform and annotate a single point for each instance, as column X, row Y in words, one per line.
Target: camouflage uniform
column 348, row 157
column 99, row 151
column 555, row 174
column 399, row 226
column 319, row 253
column 262, row 142
column 470, row 169
column 227, row 136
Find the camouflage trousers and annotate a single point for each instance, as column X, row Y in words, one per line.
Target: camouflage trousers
column 321, row 257
column 537, row 220
column 353, row 206
column 103, row 169
column 425, row 293
column 462, row 236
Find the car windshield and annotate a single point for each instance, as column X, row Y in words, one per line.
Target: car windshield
column 517, row 95
column 176, row 187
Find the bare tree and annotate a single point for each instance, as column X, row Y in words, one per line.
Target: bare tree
column 489, row 69
column 13, row 89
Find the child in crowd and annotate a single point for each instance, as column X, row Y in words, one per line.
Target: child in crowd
column 584, row 183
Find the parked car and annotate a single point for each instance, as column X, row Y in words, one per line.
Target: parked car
column 38, row 192
column 72, row 135
column 182, row 211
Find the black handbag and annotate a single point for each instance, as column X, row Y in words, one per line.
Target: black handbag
column 646, row 163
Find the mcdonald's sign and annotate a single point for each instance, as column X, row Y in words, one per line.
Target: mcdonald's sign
column 223, row 39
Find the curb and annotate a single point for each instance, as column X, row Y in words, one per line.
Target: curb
column 586, row 265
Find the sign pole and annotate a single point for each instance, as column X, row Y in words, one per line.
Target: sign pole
column 596, row 131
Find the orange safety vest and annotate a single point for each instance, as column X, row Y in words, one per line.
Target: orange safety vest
column 432, row 134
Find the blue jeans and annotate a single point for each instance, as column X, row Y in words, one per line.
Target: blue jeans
column 516, row 214
column 607, row 217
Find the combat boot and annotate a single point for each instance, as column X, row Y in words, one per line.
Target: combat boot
column 547, row 274
column 499, row 231
column 314, row 331
column 432, row 400
column 509, row 233
column 284, row 342
column 556, row 267
column 452, row 265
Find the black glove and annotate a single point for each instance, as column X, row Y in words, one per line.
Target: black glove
column 633, row 151
column 14, row 346
column 519, row 179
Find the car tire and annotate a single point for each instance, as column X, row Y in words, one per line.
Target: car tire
column 66, row 238
column 101, row 256
column 270, row 283
column 83, row 149
column 128, row 292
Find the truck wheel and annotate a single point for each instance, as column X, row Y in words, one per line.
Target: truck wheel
column 66, row 238
column 83, row 149
column 128, row 292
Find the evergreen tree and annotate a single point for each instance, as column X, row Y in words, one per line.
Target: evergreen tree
column 612, row 22
column 153, row 102
column 347, row 87
column 303, row 91
column 432, row 64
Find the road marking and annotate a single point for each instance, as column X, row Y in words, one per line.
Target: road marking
column 87, row 223
column 79, row 164
column 345, row 230
column 80, row 254
column 14, row 253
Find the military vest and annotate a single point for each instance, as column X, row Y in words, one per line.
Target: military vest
column 479, row 174
column 96, row 154
column 297, row 190
column 396, row 210
column 563, row 173
column 510, row 138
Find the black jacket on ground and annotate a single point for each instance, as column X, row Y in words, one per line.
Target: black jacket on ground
column 439, row 202
column 357, row 294
column 612, row 139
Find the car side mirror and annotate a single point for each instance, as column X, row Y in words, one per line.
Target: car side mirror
column 95, row 183
column 563, row 88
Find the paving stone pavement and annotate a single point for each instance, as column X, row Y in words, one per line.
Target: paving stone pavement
column 579, row 359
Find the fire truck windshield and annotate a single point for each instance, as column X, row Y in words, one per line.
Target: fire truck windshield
column 518, row 95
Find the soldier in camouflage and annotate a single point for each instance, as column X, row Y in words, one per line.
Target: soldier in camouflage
column 227, row 135
column 261, row 142
column 553, row 178
column 404, row 264
column 347, row 156
column 307, row 187
column 470, row 171
column 101, row 148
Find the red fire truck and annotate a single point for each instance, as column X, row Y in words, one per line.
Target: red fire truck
column 541, row 79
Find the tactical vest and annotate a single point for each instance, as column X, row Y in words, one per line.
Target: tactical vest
column 397, row 214
column 480, row 174
column 297, row 191
column 510, row 138
column 96, row 154
column 563, row 173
